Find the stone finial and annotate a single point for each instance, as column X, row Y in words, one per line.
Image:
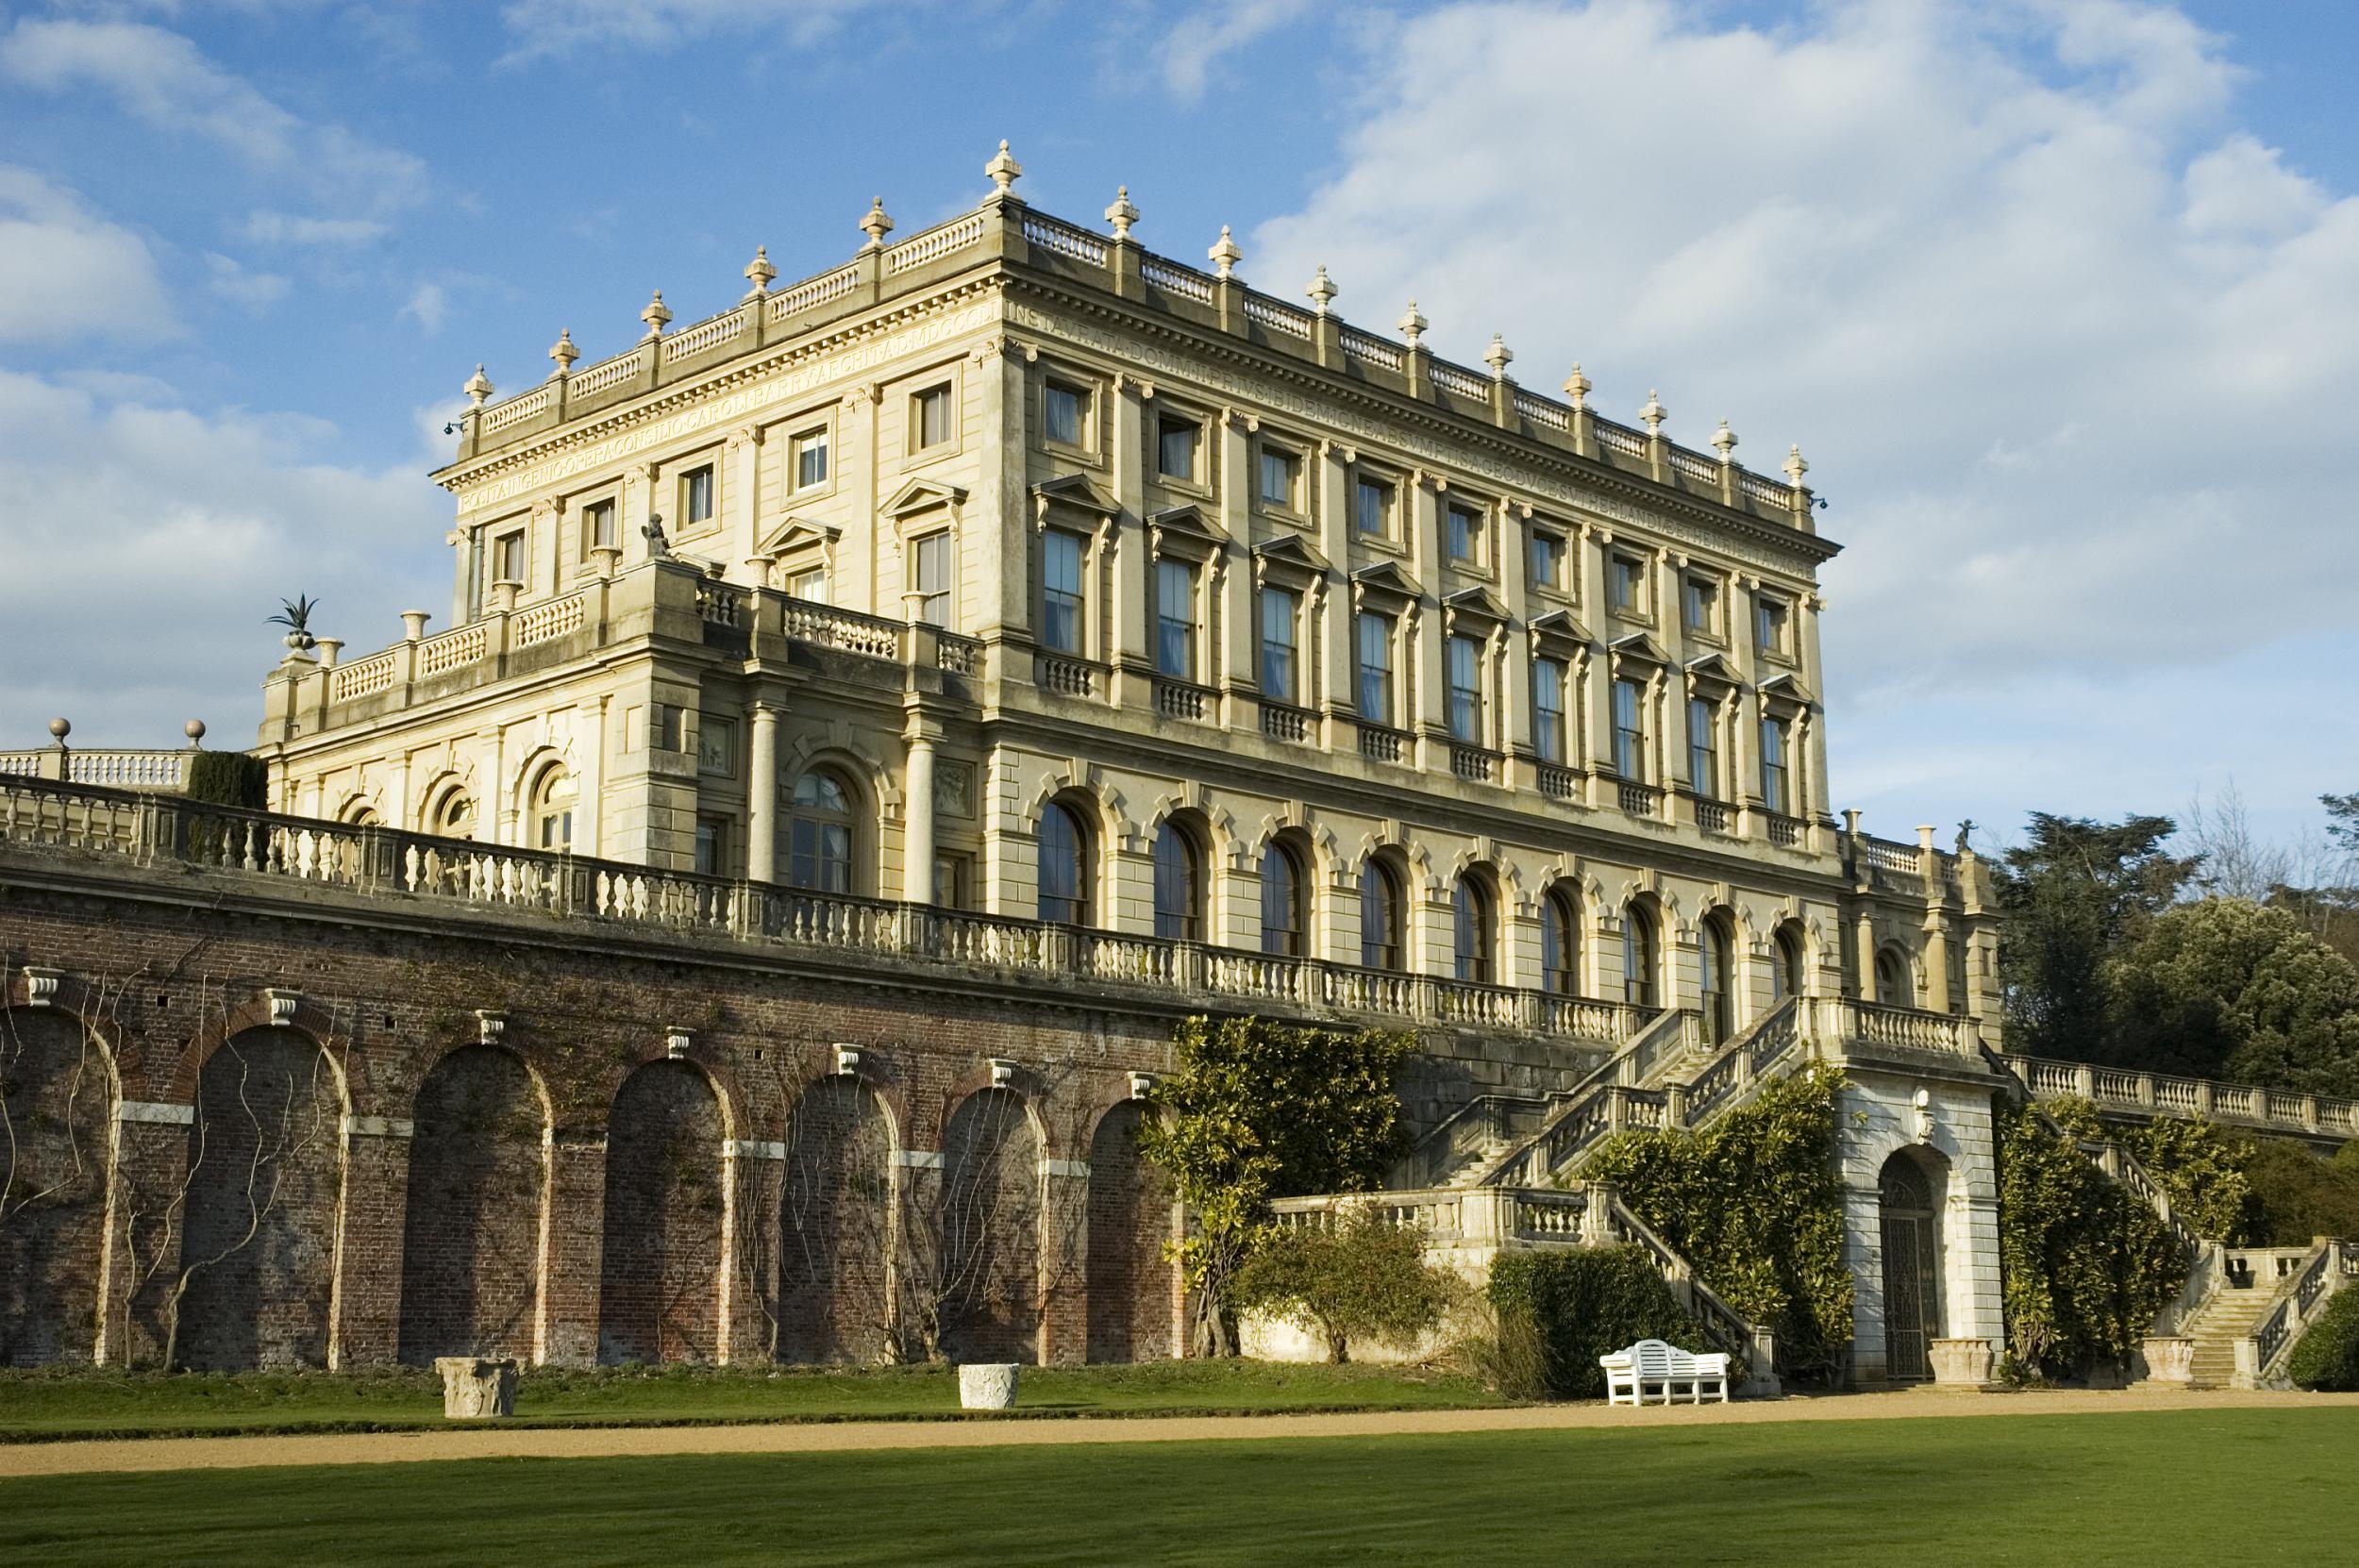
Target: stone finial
column 1499, row 356
column 658, row 315
column 1225, row 254
column 1794, row 467
column 1654, row 413
column 1004, row 171
column 1577, row 387
column 564, row 351
column 1724, row 442
column 479, row 387
column 876, row 224
column 1322, row 289
column 1413, row 324
column 1122, row 214
column 194, row 730
column 60, row 730
column 760, row 272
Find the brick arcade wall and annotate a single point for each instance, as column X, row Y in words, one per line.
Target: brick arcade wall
column 568, row 1192
column 1131, row 1304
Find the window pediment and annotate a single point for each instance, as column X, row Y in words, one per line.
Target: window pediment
column 1384, row 585
column 1784, row 689
column 1637, row 646
column 1287, row 561
column 1713, row 669
column 1558, row 631
column 923, row 495
column 1476, row 604
column 1072, row 490
column 1184, row 531
column 792, row 535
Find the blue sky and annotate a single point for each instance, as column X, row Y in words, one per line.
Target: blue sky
column 2061, row 299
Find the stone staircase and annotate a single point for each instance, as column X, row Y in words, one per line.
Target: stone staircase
column 2225, row 1321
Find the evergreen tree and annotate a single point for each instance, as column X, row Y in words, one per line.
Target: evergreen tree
column 2073, row 897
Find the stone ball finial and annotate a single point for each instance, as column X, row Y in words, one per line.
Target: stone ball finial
column 1577, row 387
column 1004, row 171
column 760, row 272
column 194, row 730
column 876, row 224
column 1499, row 356
column 1654, row 413
column 60, row 730
column 1724, row 442
column 1322, row 289
column 658, row 315
column 1122, row 214
column 479, row 387
column 1225, row 254
column 1413, row 324
column 564, row 351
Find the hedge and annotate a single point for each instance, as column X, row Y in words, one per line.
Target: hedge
column 1574, row 1307
column 2328, row 1354
column 228, row 778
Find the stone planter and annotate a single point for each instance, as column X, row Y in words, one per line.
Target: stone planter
column 2169, row 1359
column 474, row 1389
column 1962, row 1366
column 987, row 1385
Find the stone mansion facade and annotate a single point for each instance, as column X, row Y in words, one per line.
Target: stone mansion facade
column 869, row 719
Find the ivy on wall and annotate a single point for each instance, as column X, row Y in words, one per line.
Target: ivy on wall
column 2085, row 1266
column 1755, row 1203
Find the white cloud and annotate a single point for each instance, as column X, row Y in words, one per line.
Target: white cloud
column 266, row 227
column 186, row 527
column 233, row 282
column 165, row 82
column 1199, row 41
column 553, row 26
column 67, row 272
column 427, row 305
column 2070, row 353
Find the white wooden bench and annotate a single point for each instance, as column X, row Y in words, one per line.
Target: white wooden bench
column 1651, row 1365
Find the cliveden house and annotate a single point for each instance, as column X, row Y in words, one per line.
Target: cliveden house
column 868, row 718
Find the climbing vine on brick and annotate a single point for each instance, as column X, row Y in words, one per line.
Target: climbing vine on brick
column 1755, row 1203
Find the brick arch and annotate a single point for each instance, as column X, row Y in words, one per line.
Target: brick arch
column 989, row 1208
column 264, row 1200
column 1024, row 1085
column 736, row 1108
column 78, row 999
column 1128, row 1302
column 60, row 1090
column 660, row 1288
column 475, row 1224
column 310, row 1020
column 838, row 1223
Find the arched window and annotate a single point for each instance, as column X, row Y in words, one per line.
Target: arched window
column 1638, row 955
column 358, row 813
column 1179, row 885
column 1286, row 901
column 819, row 834
column 553, row 797
column 1893, row 987
column 1718, row 965
column 1379, row 916
column 452, row 815
column 1476, row 928
column 1560, row 943
column 1065, row 866
column 1786, row 967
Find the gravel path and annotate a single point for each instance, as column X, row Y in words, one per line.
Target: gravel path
column 60, row 1458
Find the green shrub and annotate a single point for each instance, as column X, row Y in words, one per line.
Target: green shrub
column 2300, row 1195
column 2328, row 1354
column 2084, row 1267
column 1363, row 1277
column 1755, row 1204
column 228, row 778
column 1559, row 1311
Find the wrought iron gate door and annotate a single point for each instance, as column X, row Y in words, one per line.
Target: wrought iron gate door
column 1912, row 1282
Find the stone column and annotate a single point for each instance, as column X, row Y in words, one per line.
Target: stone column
column 1937, row 996
column 1426, row 668
column 1514, row 654
column 742, row 489
column 1133, row 577
column 994, row 540
column 922, row 733
column 589, row 802
column 1864, row 957
column 367, row 1329
column 1330, row 646
column 1812, row 801
column 761, row 794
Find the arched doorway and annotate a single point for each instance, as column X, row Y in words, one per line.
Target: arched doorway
column 1129, row 1297
column 836, row 1225
column 660, row 1284
column 57, row 1116
column 1718, row 965
column 1910, row 1214
column 478, row 1181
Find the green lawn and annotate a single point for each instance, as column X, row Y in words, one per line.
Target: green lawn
column 98, row 1404
column 2233, row 1485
